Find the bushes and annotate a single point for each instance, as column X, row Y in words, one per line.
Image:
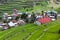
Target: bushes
column 42, row 3
column 57, row 9
column 0, row 17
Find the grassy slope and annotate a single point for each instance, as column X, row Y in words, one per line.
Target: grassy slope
column 34, row 36
column 31, row 28
column 51, row 33
column 18, row 34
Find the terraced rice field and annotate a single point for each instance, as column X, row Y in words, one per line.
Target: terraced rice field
column 33, row 32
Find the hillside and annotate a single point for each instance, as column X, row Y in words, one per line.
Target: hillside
column 32, row 32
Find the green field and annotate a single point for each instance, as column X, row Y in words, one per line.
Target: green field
column 32, row 32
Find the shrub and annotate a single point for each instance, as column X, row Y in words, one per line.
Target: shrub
column 57, row 9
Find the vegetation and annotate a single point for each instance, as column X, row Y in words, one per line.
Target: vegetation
column 32, row 32
column 58, row 9
column 29, row 31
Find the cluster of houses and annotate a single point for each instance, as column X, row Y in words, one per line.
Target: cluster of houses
column 17, row 19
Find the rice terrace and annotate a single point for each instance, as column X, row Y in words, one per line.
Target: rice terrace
column 29, row 19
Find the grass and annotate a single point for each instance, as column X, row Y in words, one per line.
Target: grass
column 38, row 33
column 31, row 32
column 50, row 36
